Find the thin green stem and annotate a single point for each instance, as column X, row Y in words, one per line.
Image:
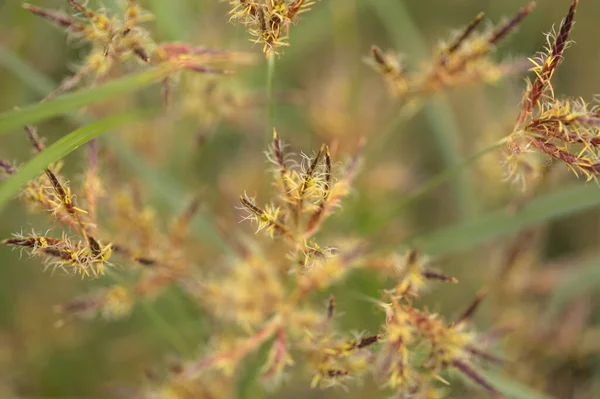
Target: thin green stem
column 270, row 93
column 404, row 114
column 383, row 219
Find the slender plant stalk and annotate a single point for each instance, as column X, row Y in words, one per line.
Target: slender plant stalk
column 270, row 93
column 429, row 186
column 403, row 115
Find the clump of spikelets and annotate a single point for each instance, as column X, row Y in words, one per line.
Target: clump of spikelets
column 282, row 318
column 565, row 130
column 464, row 59
column 268, row 21
column 115, row 41
column 84, row 255
column 86, row 248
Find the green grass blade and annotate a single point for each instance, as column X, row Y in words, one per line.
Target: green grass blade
column 513, row 389
column 59, row 149
column 468, row 234
column 32, row 114
column 162, row 185
column 576, row 284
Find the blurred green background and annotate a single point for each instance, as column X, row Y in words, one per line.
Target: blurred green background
column 325, row 93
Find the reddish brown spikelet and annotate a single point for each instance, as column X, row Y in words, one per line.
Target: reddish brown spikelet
column 367, row 341
column 564, row 156
column 60, row 191
column 30, row 242
column 34, row 138
column 57, row 253
column 430, row 275
column 465, row 33
column 7, row 167
column 336, row 373
column 476, row 377
column 94, row 246
column 262, row 214
column 468, row 313
column 294, row 8
column 76, row 305
column 54, row 17
column 413, row 254
column 82, row 9
column 330, row 307
column 502, row 31
column 144, row 261
column 328, row 167
column 309, row 174
column 483, row 354
column 141, row 53
column 379, row 58
column 543, row 78
column 278, row 151
column 256, row 210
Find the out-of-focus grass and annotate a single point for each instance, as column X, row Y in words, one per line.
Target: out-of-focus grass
column 313, row 49
column 58, row 150
column 39, row 112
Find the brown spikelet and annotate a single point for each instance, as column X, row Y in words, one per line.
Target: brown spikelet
column 573, row 161
column 367, row 341
column 462, row 37
column 505, row 29
column 488, row 357
column 476, row 377
column 54, row 17
column 468, row 313
column 30, row 242
column 280, row 159
column 141, row 53
column 330, row 307
column 256, row 210
column 7, row 167
column 328, row 177
column 61, row 192
column 34, row 138
column 294, row 8
column 497, row 34
column 379, row 58
column 82, row 9
column 431, row 275
column 543, row 77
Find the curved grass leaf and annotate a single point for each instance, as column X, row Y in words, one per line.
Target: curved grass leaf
column 512, row 389
column 60, row 149
column 468, row 234
column 35, row 113
column 578, row 283
column 159, row 182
